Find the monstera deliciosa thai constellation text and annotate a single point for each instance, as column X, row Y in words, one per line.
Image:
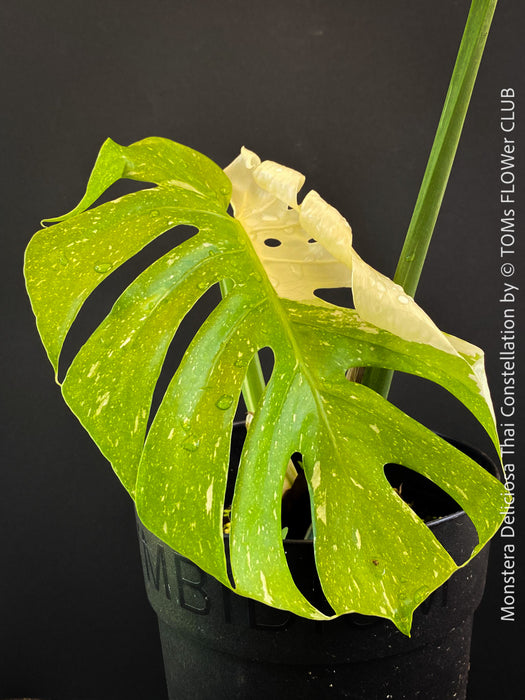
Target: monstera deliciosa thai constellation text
column 373, row 554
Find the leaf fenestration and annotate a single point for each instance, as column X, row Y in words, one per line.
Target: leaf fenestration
column 373, row 554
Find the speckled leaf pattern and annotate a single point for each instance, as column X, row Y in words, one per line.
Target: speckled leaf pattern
column 373, row 554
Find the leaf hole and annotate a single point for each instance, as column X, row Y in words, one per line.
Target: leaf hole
column 267, row 360
column 354, row 374
column 272, row 242
column 99, row 303
column 338, row 296
column 296, row 520
column 436, row 508
column 237, row 442
column 188, row 328
column 238, row 437
column 434, row 406
column 121, row 188
column 296, row 514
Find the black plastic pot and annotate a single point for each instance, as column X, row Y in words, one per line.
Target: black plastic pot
column 219, row 645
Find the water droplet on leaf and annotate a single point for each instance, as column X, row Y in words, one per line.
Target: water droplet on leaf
column 191, row 443
column 64, row 260
column 102, row 268
column 241, row 362
column 202, row 285
column 154, row 213
column 224, row 402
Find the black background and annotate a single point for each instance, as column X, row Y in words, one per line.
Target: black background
column 347, row 92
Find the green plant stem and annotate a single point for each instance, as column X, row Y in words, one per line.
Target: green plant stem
column 439, row 164
column 253, row 384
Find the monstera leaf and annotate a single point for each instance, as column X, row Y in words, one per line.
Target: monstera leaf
column 373, row 554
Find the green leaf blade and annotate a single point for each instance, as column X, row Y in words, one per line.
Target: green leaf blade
column 184, row 468
column 154, row 160
column 389, row 557
column 131, row 345
column 258, row 560
column 350, row 342
column 77, row 255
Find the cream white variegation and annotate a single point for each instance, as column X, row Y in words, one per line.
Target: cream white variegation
column 316, row 249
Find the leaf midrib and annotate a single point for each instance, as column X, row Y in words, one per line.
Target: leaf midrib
column 275, row 302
